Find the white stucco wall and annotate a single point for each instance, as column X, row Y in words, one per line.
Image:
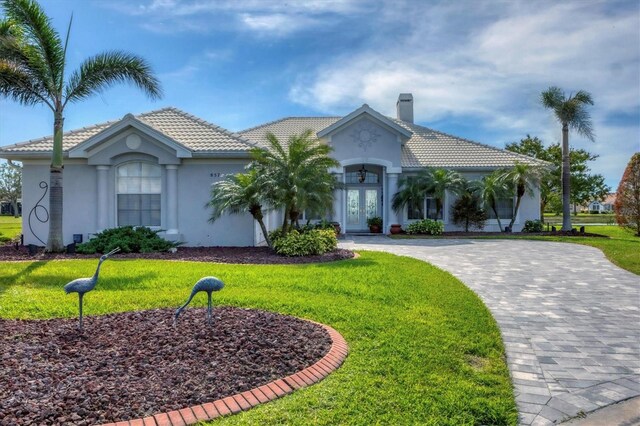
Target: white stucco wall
column 80, row 203
column 194, row 185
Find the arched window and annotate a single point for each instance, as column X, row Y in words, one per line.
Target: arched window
column 138, row 192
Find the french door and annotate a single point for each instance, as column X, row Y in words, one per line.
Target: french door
column 362, row 204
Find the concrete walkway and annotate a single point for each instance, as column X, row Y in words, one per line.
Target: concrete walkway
column 570, row 319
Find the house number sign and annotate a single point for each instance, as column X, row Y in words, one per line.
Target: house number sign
column 218, row 175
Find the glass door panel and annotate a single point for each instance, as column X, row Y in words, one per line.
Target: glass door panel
column 371, row 197
column 353, row 207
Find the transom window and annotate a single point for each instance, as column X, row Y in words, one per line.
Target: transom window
column 138, row 191
column 504, row 207
column 355, row 177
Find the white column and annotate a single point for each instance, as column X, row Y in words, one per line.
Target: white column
column 392, row 188
column 103, row 197
column 172, row 199
column 337, row 203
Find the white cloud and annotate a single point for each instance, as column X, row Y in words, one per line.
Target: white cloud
column 262, row 17
column 468, row 61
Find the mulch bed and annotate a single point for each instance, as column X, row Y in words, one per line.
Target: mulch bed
column 245, row 255
column 135, row 364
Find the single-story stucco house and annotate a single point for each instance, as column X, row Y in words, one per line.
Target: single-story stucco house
column 156, row 169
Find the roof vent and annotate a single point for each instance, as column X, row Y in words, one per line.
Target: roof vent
column 405, row 107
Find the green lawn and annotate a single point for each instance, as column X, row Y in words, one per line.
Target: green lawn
column 423, row 348
column 581, row 219
column 10, row 227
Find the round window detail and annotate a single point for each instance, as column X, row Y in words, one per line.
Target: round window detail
column 133, row 141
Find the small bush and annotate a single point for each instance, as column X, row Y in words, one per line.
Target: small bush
column 316, row 241
column 129, row 239
column 426, row 226
column 533, row 226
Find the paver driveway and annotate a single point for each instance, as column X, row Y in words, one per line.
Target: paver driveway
column 570, row 319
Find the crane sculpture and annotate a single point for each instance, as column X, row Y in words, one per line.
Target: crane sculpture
column 207, row 284
column 85, row 285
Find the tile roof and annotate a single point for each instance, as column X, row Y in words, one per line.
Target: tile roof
column 286, row 127
column 425, row 148
column 190, row 131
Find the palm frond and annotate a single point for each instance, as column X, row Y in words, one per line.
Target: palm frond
column 38, row 32
column 106, row 69
column 19, row 86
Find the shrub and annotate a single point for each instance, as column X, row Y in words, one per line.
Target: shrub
column 467, row 212
column 533, row 226
column 316, row 241
column 426, row 226
column 130, row 240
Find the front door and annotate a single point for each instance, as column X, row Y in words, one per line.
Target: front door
column 362, row 204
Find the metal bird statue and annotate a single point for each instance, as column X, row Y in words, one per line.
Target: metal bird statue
column 208, row 284
column 84, row 285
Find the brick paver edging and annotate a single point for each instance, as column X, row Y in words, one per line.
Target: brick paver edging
column 249, row 399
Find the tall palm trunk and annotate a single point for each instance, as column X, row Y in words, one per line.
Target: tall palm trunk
column 520, row 190
column 54, row 241
column 495, row 211
column 566, row 180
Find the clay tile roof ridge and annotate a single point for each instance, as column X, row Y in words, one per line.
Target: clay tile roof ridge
column 279, row 120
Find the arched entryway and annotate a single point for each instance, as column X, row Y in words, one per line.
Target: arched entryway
column 364, row 195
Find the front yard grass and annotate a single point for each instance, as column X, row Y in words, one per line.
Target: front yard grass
column 10, row 227
column 423, row 348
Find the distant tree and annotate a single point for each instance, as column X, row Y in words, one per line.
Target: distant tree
column 585, row 187
column 627, row 205
column 33, row 57
column 467, row 208
column 11, row 185
column 570, row 112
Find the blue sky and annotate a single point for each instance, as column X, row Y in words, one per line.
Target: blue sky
column 475, row 68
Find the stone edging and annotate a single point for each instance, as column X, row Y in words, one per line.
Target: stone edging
column 249, row 399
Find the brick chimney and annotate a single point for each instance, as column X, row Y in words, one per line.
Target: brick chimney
column 405, row 107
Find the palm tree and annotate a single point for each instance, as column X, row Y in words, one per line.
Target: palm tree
column 570, row 112
column 296, row 175
column 412, row 190
column 433, row 182
column 32, row 71
column 443, row 180
column 240, row 193
column 491, row 188
column 520, row 177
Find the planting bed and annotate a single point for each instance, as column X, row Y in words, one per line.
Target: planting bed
column 246, row 255
column 135, row 364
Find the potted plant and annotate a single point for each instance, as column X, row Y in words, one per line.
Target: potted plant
column 336, row 226
column 375, row 224
column 396, row 228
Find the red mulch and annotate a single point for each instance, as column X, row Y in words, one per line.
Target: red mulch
column 247, row 255
column 135, row 364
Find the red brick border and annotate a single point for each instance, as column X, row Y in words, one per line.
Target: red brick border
column 249, row 399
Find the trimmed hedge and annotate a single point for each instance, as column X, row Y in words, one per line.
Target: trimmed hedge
column 311, row 242
column 426, row 226
column 130, row 240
